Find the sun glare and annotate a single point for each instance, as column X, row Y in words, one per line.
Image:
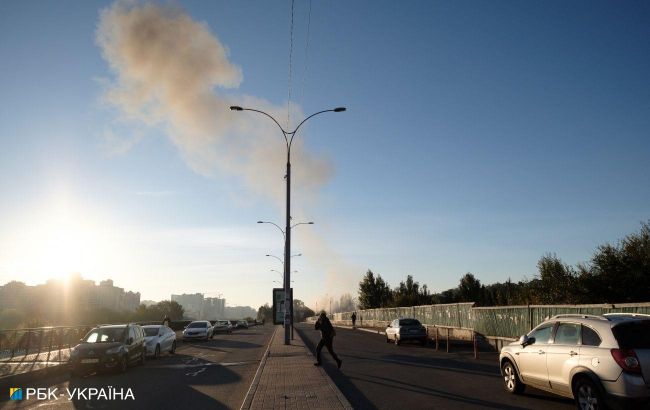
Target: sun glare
column 58, row 243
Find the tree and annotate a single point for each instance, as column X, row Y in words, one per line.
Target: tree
column 170, row 308
column 410, row 293
column 265, row 313
column 557, row 281
column 620, row 273
column 301, row 311
column 373, row 292
column 469, row 289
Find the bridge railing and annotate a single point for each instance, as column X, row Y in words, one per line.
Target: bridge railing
column 22, row 343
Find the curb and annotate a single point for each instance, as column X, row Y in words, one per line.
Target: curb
column 248, row 400
column 344, row 402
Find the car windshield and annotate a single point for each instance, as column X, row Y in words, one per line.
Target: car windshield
column 105, row 335
column 409, row 322
column 151, row 331
column 194, row 325
column 634, row 334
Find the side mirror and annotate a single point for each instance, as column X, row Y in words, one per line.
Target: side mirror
column 525, row 340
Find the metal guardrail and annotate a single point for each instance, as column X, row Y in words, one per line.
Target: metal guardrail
column 20, row 343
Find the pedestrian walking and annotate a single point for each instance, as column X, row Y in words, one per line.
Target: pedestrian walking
column 354, row 319
column 327, row 337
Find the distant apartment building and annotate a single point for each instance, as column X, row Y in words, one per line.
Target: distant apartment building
column 192, row 304
column 56, row 293
column 197, row 306
column 214, row 308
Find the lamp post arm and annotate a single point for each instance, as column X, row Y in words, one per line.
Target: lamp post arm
column 293, row 133
column 276, row 123
column 274, row 224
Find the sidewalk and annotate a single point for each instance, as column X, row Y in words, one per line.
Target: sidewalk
column 288, row 379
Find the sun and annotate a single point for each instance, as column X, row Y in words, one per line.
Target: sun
column 58, row 242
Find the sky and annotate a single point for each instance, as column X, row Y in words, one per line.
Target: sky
column 478, row 137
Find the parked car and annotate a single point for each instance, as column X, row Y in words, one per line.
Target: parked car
column 242, row 324
column 403, row 330
column 597, row 360
column 159, row 339
column 223, row 326
column 108, row 347
column 199, row 329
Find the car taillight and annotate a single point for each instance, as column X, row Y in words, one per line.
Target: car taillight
column 626, row 358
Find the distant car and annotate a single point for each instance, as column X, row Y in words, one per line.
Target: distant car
column 199, row 329
column 159, row 339
column 223, row 326
column 403, row 330
column 599, row 361
column 242, row 324
column 108, row 347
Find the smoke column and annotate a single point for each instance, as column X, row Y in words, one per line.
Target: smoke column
column 170, row 72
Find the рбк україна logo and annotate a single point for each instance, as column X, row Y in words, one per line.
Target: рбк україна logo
column 15, row 393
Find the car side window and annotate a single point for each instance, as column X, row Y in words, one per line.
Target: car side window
column 131, row 334
column 542, row 334
column 590, row 337
column 567, row 334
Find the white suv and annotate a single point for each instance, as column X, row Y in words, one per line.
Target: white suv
column 599, row 361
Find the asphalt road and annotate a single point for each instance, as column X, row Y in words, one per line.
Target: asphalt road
column 378, row 375
column 213, row 374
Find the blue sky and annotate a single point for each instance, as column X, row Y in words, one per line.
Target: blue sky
column 478, row 137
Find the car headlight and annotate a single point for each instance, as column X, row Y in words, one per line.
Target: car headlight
column 114, row 350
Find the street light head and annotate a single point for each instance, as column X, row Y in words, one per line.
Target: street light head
column 337, row 109
column 260, row 222
column 310, row 223
column 238, row 108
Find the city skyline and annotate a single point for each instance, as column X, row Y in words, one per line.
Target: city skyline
column 477, row 138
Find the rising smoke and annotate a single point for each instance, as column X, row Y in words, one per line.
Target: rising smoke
column 171, row 74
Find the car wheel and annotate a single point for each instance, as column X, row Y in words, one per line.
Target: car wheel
column 173, row 347
column 588, row 395
column 511, row 381
column 396, row 341
column 156, row 353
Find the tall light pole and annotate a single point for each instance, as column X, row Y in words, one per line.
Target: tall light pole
column 281, row 261
column 288, row 138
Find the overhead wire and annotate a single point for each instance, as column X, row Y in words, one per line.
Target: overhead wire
column 304, row 73
column 290, row 64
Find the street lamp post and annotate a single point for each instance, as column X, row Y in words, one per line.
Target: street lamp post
column 288, row 138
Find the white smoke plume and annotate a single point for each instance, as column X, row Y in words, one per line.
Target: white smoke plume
column 170, row 72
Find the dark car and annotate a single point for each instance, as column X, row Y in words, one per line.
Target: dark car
column 401, row 330
column 108, row 347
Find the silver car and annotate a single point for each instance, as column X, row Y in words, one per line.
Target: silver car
column 402, row 330
column 598, row 360
column 222, row 326
column 199, row 329
column 159, row 339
